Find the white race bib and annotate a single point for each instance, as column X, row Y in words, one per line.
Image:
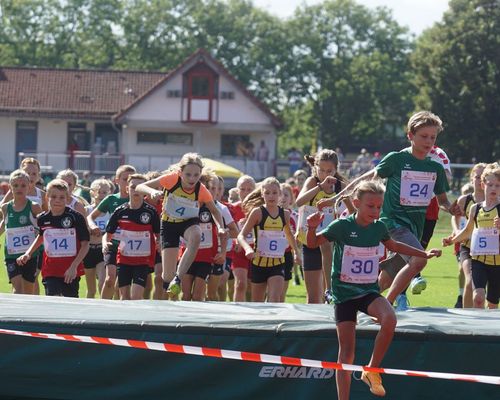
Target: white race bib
column 271, row 244
column 181, row 208
column 18, row 240
column 135, row 243
column 417, row 188
column 102, row 221
column 360, row 264
column 60, row 242
column 249, row 238
column 484, row 242
column 207, row 240
column 462, row 223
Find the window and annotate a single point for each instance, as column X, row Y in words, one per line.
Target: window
column 183, row 139
column 200, row 86
column 236, row 145
column 78, row 137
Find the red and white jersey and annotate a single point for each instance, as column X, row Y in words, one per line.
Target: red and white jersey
column 439, row 155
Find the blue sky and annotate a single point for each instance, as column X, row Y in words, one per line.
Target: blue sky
column 416, row 14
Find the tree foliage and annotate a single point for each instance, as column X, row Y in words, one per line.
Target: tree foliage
column 457, row 71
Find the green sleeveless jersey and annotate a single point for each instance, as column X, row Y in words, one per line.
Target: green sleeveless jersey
column 20, row 230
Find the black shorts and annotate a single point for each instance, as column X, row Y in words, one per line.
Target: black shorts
column 93, row 257
column 55, row 286
column 312, row 260
column 157, row 258
column 171, row 232
column 129, row 274
column 288, row 265
column 464, row 253
column 262, row 274
column 348, row 311
column 110, row 257
column 217, row 270
column 28, row 270
column 487, row 277
column 200, row 269
column 428, row 231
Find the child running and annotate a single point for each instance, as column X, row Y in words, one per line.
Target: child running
column 271, row 226
column 355, row 270
column 184, row 194
column 139, row 225
column 483, row 226
column 65, row 237
column 412, row 178
column 19, row 222
column 324, row 182
column 94, row 260
column 108, row 206
column 71, row 178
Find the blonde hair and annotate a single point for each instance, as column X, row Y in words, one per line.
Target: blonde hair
column 58, row 184
column 324, row 155
column 492, row 169
column 207, row 175
column 96, row 184
column 368, row 187
column 232, row 195
column 150, row 175
column 245, row 178
column 68, row 173
column 124, row 168
column 18, row 174
column 422, row 119
column 255, row 199
column 136, row 176
column 30, row 160
column 477, row 166
column 188, row 159
column 288, row 187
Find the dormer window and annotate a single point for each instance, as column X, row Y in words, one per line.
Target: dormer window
column 200, row 94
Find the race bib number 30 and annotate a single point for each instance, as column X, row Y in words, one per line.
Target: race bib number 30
column 135, row 244
column 272, row 244
column 18, row 240
column 484, row 242
column 60, row 242
column 417, row 188
column 360, row 264
column 181, row 208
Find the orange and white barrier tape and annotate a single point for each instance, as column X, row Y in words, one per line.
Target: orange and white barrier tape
column 246, row 356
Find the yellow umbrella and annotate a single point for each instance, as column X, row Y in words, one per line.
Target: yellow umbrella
column 221, row 169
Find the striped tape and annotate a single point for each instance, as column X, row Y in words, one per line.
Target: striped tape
column 247, row 356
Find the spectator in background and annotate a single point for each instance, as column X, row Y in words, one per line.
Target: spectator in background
column 363, row 160
column 340, row 155
column 375, row 160
column 295, row 158
column 263, row 152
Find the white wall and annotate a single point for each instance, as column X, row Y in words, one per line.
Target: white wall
column 8, row 147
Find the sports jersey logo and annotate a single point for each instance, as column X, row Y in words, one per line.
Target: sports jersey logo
column 205, row 216
column 23, row 219
column 407, row 166
column 353, row 235
column 66, row 222
column 145, row 218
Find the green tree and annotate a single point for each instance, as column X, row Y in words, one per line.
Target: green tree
column 457, row 72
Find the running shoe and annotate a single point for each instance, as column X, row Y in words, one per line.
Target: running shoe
column 459, row 303
column 402, row 302
column 374, row 382
column 418, row 285
column 328, row 296
column 175, row 287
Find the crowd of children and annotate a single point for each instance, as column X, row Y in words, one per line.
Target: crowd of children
column 171, row 234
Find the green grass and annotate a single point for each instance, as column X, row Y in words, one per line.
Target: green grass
column 441, row 274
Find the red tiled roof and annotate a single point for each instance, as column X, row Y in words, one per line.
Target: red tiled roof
column 71, row 93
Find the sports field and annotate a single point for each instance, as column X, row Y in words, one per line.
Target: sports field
column 441, row 275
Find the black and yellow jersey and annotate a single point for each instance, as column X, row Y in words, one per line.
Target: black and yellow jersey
column 270, row 239
column 485, row 219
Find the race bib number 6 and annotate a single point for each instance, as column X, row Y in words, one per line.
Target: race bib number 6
column 272, row 244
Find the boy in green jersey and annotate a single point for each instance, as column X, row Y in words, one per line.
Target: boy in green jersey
column 412, row 178
column 355, row 268
column 109, row 205
column 19, row 221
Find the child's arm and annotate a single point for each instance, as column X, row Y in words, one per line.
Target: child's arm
column 253, row 219
column 106, row 241
column 464, row 233
column 233, row 230
column 314, row 240
column 45, row 203
column 8, row 197
column 34, row 246
column 220, row 257
column 71, row 272
column 3, row 210
column 93, row 228
column 291, row 240
column 311, row 188
column 150, row 188
column 347, row 191
column 217, row 218
column 444, row 204
column 402, row 248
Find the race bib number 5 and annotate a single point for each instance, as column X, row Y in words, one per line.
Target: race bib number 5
column 484, row 242
column 360, row 264
column 60, row 242
column 417, row 188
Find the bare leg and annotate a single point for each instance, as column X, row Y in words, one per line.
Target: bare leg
column 192, row 236
column 326, row 262
column 90, row 278
column 314, row 285
column 137, row 292
column 382, row 310
column 125, row 292
column 404, row 277
column 468, row 287
column 346, row 332
column 259, row 292
column 275, row 288
column 199, row 289
column 240, row 283
column 108, row 288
